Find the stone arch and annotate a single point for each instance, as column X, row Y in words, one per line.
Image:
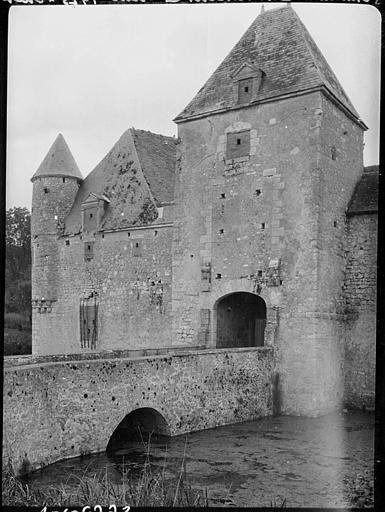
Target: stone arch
column 240, row 320
column 272, row 297
column 139, row 425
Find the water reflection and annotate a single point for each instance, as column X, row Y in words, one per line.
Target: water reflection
column 306, row 461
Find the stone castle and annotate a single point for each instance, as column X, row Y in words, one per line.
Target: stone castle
column 257, row 226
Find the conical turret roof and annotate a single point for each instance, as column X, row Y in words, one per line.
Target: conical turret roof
column 58, row 162
column 278, row 44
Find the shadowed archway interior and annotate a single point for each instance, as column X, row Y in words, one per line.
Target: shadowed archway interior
column 140, row 425
column 241, row 320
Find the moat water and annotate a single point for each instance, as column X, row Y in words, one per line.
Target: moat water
column 307, row 462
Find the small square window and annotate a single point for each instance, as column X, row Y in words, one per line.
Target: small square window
column 263, row 225
column 238, row 144
column 46, row 190
column 137, row 248
column 88, row 251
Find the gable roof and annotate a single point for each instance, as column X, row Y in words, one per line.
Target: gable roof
column 157, row 154
column 365, row 196
column 58, row 162
column 138, row 159
column 278, row 43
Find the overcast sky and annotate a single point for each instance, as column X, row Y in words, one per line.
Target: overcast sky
column 92, row 72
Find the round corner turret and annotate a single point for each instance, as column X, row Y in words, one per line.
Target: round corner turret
column 55, row 186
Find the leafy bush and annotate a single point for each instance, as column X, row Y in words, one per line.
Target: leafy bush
column 17, row 342
column 18, row 296
column 17, row 321
column 360, row 489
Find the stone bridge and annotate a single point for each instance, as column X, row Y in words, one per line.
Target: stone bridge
column 57, row 409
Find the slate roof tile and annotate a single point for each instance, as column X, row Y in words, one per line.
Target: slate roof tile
column 117, row 178
column 365, row 196
column 59, row 161
column 279, row 44
column 157, row 155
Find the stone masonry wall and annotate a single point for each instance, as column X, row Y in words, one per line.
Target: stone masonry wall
column 240, row 218
column 335, row 153
column 133, row 287
column 51, row 201
column 361, row 296
column 60, row 410
column 333, row 182
column 339, row 168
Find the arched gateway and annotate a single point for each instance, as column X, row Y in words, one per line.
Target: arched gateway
column 241, row 320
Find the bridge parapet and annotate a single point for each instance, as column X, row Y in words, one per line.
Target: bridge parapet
column 87, row 356
column 63, row 409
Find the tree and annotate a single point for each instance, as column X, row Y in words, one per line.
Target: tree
column 17, row 244
column 18, row 227
column 18, row 260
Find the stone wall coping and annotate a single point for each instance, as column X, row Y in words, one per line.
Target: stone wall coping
column 174, row 352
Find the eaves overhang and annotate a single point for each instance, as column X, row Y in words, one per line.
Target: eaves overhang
column 321, row 88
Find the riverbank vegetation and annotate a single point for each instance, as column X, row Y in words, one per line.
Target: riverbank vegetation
column 360, row 489
column 150, row 489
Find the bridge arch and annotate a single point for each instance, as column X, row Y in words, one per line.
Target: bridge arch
column 139, row 425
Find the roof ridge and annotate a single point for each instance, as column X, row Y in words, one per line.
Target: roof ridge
column 281, row 46
column 152, row 133
column 266, row 11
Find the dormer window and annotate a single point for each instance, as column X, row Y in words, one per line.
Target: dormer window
column 245, row 89
column 93, row 209
column 246, row 83
column 89, row 219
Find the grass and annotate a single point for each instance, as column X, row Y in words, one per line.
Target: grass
column 360, row 489
column 151, row 489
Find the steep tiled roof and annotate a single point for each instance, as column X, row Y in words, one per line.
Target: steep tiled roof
column 156, row 154
column 58, row 162
column 279, row 44
column 365, row 197
column 118, row 179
